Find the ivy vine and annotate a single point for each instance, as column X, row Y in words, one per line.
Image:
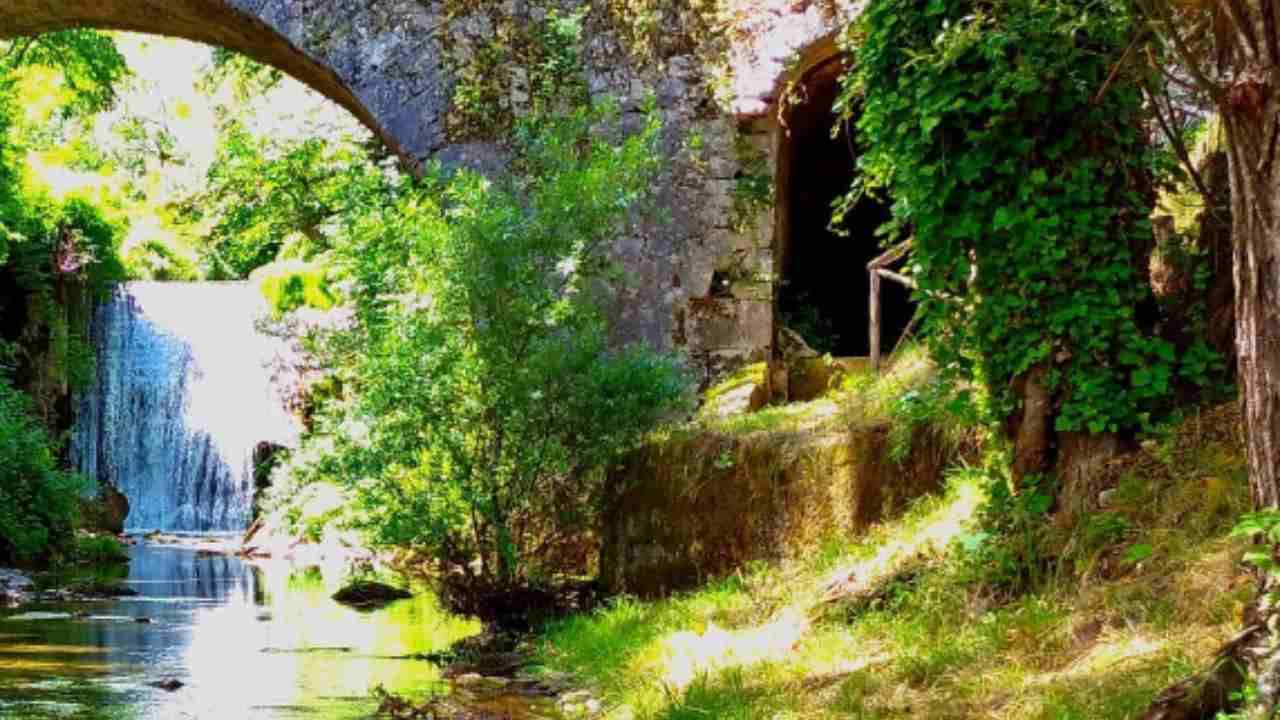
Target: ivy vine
column 1015, row 159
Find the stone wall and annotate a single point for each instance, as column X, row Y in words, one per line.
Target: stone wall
column 703, row 280
column 703, row 506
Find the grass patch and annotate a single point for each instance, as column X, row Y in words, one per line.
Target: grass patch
column 917, row 637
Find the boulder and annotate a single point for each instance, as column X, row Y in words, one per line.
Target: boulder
column 106, row 511
column 369, row 595
column 169, row 685
column 743, row 392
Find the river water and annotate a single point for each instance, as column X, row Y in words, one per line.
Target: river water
column 249, row 641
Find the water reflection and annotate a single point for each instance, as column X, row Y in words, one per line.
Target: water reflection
column 248, row 640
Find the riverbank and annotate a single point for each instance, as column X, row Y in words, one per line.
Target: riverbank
column 896, row 624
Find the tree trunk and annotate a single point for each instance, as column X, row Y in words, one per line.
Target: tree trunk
column 1251, row 114
column 1031, row 429
column 1255, row 193
column 1081, row 459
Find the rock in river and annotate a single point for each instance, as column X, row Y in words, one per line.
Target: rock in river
column 366, row 595
column 169, row 685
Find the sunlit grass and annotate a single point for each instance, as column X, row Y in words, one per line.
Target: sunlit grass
column 1097, row 641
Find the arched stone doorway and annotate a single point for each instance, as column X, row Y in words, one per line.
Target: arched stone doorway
column 379, row 60
column 822, row 281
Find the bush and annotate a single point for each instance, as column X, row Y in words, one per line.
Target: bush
column 485, row 396
column 291, row 284
column 1023, row 188
column 38, row 502
column 99, row 550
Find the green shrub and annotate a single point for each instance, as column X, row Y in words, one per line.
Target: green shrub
column 98, row 550
column 292, row 284
column 1008, row 552
column 485, row 396
column 38, row 502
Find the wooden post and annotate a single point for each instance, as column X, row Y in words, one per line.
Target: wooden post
column 874, row 328
column 877, row 269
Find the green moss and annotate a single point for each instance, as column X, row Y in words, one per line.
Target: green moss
column 753, row 190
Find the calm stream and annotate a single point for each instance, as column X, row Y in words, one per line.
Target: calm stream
column 248, row 640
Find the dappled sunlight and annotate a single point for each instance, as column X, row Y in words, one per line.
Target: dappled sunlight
column 904, row 541
column 688, row 655
column 1114, row 651
column 245, row 641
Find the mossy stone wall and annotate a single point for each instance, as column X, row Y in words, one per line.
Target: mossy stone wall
column 697, row 507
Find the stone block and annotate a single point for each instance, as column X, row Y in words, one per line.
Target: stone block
column 727, row 323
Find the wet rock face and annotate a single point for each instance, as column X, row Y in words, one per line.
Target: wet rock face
column 15, row 588
column 105, row 512
column 179, row 403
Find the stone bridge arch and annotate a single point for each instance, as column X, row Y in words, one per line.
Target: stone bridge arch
column 379, row 60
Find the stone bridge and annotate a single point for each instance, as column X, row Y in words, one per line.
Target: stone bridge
column 707, row 279
column 376, row 58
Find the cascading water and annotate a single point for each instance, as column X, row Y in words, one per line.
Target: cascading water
column 182, row 399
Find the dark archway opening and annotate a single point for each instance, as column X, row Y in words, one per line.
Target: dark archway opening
column 823, row 287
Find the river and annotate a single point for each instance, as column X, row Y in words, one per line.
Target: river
column 248, row 641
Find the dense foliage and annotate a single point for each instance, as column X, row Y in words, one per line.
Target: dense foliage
column 484, row 396
column 55, row 256
column 38, row 501
column 1017, row 163
column 89, row 65
column 267, row 198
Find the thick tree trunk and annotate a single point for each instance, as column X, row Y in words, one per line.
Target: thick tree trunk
column 1252, row 123
column 1081, row 459
column 1255, row 192
column 1251, row 114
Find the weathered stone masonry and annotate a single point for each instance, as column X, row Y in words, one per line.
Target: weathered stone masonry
column 703, row 280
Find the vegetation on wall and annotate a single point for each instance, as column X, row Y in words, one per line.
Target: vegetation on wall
column 38, row 500
column 1017, row 163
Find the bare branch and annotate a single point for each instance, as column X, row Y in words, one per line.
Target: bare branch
column 1158, row 12
column 1269, row 159
column 1115, row 70
column 1268, row 8
column 1175, row 139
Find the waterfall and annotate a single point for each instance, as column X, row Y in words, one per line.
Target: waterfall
column 181, row 398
